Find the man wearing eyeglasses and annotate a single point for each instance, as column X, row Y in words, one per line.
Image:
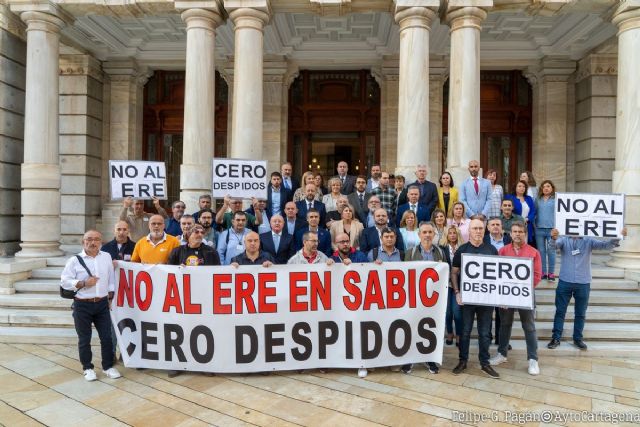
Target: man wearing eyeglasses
column 230, row 206
column 346, row 253
column 195, row 251
column 172, row 224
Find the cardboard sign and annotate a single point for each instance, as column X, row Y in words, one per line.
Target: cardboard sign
column 586, row 214
column 140, row 180
column 284, row 317
column 497, row 281
column 239, row 178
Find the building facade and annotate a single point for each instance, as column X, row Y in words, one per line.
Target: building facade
column 550, row 86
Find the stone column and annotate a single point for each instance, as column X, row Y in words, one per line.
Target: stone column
column 437, row 75
column 199, row 103
column 627, row 165
column 40, row 171
column 274, row 130
column 414, row 19
column 249, row 18
column 387, row 76
column 464, row 17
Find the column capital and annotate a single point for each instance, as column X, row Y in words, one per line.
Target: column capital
column 127, row 71
column 597, row 64
column 41, row 15
column 466, row 13
column 550, row 70
column 80, row 65
column 418, row 13
column 627, row 15
column 201, row 14
column 249, row 13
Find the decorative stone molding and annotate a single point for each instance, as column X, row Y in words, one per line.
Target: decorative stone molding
column 80, row 65
column 466, row 17
column 550, row 70
column 12, row 23
column 331, row 7
column 627, row 16
column 127, row 71
column 39, row 11
column 597, row 65
column 253, row 14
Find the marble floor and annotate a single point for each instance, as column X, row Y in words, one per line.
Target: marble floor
column 43, row 385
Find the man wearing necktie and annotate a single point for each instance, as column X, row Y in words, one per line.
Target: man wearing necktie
column 475, row 192
column 347, row 181
column 421, row 210
column 276, row 242
column 288, row 181
column 309, row 203
column 359, row 199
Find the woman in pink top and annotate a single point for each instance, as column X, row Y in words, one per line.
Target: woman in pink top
column 458, row 218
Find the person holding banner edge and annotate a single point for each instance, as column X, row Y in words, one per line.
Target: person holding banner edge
column 475, row 245
column 575, row 281
column 519, row 248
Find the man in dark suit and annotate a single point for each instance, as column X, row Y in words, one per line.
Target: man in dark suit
column 359, row 199
column 421, row 211
column 324, row 237
column 310, row 203
column 277, row 195
column 428, row 190
column 291, row 221
column 348, row 181
column 277, row 243
column 370, row 237
column 288, row 181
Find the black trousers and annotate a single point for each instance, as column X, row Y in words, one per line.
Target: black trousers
column 97, row 313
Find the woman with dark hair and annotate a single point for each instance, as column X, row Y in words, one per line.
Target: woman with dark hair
column 497, row 193
column 532, row 190
column 447, row 193
column 439, row 218
column 524, row 205
column 545, row 222
column 319, row 181
column 450, row 242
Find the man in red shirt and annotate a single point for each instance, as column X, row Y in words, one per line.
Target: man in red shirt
column 519, row 248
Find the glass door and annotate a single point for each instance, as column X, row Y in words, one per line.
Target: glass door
column 509, row 155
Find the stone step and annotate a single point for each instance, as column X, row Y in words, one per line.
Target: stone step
column 57, row 261
column 30, row 335
column 594, row 314
column 600, row 283
column 35, row 301
column 38, row 286
column 47, row 273
column 592, row 331
column 597, row 297
column 36, row 318
column 566, row 348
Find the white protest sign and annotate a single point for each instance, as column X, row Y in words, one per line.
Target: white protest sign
column 239, row 178
column 496, row 280
column 137, row 179
column 586, row 214
column 284, row 317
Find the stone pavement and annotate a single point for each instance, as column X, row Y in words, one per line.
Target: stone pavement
column 42, row 384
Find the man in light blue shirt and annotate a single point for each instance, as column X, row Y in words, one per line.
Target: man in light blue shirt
column 475, row 192
column 575, row 281
column 231, row 241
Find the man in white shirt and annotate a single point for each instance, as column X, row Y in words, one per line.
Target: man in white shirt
column 94, row 285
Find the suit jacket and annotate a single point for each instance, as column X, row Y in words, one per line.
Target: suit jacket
column 355, row 202
column 349, row 184
column 354, row 235
column 369, row 239
column 368, row 188
column 324, row 240
column 285, row 250
column 300, row 223
column 453, row 197
column 476, row 203
column 517, row 209
column 285, row 196
column 295, row 184
column 319, row 206
column 506, row 239
column 423, row 213
column 428, row 194
column 112, row 249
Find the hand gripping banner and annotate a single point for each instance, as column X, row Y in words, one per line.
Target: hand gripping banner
column 285, row 317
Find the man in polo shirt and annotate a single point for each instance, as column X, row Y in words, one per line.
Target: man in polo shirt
column 387, row 251
column 94, row 289
column 252, row 254
column 519, row 248
column 475, row 245
column 231, row 241
column 157, row 246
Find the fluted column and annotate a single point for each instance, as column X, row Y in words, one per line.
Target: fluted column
column 199, row 104
column 464, row 85
column 249, row 18
column 40, row 172
column 414, row 19
column 626, row 175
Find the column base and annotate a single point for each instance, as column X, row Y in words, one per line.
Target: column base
column 626, row 260
column 627, row 255
column 40, row 250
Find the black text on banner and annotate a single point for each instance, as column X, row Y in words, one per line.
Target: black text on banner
column 237, row 178
column 585, row 214
column 137, row 179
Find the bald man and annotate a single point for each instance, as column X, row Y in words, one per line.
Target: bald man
column 252, row 254
column 121, row 247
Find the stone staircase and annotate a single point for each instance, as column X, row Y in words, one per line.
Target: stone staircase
column 37, row 314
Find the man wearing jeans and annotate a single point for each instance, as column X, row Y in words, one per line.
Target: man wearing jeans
column 520, row 249
column 575, row 281
column 475, row 245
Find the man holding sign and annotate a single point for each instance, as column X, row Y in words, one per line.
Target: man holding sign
column 520, row 249
column 575, row 281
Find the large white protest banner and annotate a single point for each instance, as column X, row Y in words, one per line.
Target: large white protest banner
column 285, row 317
column 137, row 179
column 239, row 178
column 586, row 214
column 496, row 280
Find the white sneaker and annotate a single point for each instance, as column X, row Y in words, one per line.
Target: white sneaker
column 362, row 373
column 112, row 373
column 534, row 369
column 90, row 375
column 497, row 359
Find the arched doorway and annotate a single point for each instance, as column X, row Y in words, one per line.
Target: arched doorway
column 505, row 124
column 334, row 116
column 163, row 123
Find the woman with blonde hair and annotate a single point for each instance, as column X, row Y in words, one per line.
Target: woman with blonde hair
column 331, row 200
column 457, row 217
column 348, row 225
column 438, row 217
column 409, row 230
column 307, row 178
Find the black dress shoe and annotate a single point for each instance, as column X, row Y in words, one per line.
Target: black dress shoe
column 553, row 344
column 580, row 344
column 460, row 368
column 487, row 369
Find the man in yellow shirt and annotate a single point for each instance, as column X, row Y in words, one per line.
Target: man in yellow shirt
column 156, row 246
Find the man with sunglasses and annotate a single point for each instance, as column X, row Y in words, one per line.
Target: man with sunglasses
column 172, row 224
column 195, row 251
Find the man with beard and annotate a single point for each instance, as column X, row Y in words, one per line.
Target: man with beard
column 205, row 219
column 172, row 224
column 138, row 219
column 475, row 192
column 370, row 237
column 387, row 196
column 156, row 247
column 359, row 199
column 374, row 181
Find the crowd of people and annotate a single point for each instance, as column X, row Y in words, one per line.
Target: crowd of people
column 354, row 219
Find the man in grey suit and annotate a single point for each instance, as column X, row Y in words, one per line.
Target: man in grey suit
column 475, row 192
column 348, row 181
